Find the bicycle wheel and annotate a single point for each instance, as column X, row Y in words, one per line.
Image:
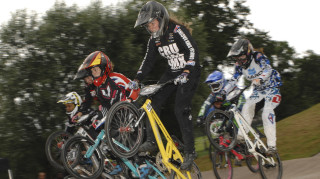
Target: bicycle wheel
column 122, row 136
column 222, row 165
column 272, row 168
column 221, row 131
column 53, row 148
column 211, row 152
column 76, row 164
column 252, row 162
column 194, row 172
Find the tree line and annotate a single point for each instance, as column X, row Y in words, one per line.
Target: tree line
column 39, row 57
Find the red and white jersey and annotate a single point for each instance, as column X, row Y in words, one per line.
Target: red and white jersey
column 123, row 81
column 120, row 80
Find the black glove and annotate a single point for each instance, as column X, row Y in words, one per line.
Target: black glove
column 220, row 97
column 200, row 120
column 181, row 79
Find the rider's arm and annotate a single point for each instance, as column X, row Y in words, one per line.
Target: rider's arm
column 185, row 40
column 148, row 61
column 264, row 63
column 88, row 99
column 206, row 105
column 234, row 80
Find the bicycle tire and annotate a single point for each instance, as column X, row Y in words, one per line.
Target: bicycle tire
column 251, row 162
column 76, row 164
column 123, row 138
column 214, row 132
column 269, row 171
column 211, row 152
column 194, row 172
column 222, row 165
column 53, row 148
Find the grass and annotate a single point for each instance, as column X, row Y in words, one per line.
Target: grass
column 298, row 136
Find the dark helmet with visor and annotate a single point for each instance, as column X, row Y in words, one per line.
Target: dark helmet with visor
column 150, row 11
column 240, row 48
column 99, row 59
column 81, row 73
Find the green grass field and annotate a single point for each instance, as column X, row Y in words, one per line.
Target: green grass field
column 298, row 136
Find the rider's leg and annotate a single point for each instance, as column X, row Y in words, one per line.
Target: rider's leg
column 272, row 100
column 157, row 101
column 183, row 100
column 249, row 108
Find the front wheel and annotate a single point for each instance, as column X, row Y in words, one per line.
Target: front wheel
column 221, row 131
column 53, row 148
column 194, row 173
column 75, row 162
column 122, row 135
column 252, row 162
column 222, row 165
column 271, row 167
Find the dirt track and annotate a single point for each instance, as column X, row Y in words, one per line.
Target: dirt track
column 304, row 168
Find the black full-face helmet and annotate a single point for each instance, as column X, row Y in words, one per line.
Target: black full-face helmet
column 150, row 11
column 240, row 48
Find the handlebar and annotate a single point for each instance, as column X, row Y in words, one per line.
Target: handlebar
column 235, row 99
column 151, row 90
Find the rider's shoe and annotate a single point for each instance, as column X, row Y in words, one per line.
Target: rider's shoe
column 148, row 146
column 116, row 170
column 188, row 160
column 271, row 150
column 144, row 170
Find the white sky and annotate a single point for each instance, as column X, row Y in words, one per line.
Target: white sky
column 294, row 21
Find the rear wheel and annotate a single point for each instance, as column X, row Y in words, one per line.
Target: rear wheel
column 220, row 130
column 222, row 165
column 271, row 169
column 123, row 137
column 194, row 173
column 75, row 162
column 53, row 148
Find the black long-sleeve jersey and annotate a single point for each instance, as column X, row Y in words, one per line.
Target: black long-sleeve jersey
column 90, row 96
column 109, row 93
column 177, row 46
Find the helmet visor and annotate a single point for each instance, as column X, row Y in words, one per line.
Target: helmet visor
column 143, row 18
column 241, row 60
column 82, row 73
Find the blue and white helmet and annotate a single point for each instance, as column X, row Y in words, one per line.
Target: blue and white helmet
column 215, row 81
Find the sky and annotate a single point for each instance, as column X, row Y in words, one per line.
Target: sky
column 294, row 21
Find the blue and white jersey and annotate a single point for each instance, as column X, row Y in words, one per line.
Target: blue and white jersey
column 259, row 68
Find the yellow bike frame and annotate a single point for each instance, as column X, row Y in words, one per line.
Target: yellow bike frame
column 171, row 150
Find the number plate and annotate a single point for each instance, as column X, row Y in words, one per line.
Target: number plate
column 82, row 132
column 149, row 107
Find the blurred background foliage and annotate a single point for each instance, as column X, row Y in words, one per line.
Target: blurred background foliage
column 39, row 57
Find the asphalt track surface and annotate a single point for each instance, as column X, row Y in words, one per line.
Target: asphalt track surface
column 303, row 168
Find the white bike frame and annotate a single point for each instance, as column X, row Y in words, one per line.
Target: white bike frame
column 252, row 145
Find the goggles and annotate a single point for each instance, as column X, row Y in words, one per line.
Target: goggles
column 215, row 86
column 242, row 59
